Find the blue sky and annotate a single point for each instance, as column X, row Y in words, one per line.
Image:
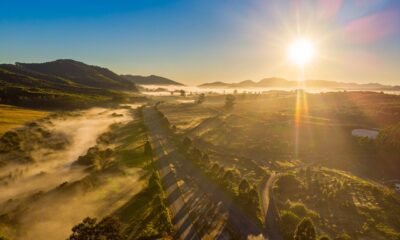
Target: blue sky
column 197, row 41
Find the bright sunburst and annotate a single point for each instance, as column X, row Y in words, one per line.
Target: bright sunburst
column 301, row 51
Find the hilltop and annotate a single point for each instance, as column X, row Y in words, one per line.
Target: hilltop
column 62, row 83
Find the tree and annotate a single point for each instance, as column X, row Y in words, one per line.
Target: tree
column 389, row 138
column 165, row 221
column 205, row 159
column 107, row 229
column 155, row 181
column 288, row 184
column 147, row 149
column 253, row 197
column 110, row 229
column 228, row 176
column 324, row 237
column 229, row 101
column 289, row 221
column 183, row 93
column 186, row 144
column 201, row 98
column 215, row 167
column 343, row 236
column 244, row 186
column 196, row 154
column 305, row 230
column 104, row 159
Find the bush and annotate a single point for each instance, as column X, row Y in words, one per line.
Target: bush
column 288, row 184
column 324, row 238
column 343, row 236
column 301, row 210
column 298, row 208
column 288, row 223
column 229, row 101
column 108, row 228
column 305, row 230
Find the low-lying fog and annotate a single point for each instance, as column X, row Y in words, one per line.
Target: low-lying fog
column 52, row 216
column 165, row 90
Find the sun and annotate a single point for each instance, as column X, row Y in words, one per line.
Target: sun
column 301, row 51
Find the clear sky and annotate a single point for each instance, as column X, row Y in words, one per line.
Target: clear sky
column 196, row 41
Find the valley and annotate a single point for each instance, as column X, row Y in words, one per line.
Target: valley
column 203, row 165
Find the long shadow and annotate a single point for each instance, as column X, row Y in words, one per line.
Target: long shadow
column 237, row 217
column 168, row 180
column 180, row 214
column 186, row 224
column 173, row 196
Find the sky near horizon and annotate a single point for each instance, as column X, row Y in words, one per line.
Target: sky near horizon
column 196, row 41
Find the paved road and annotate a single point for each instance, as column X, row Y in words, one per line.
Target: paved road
column 270, row 212
column 165, row 149
column 184, row 227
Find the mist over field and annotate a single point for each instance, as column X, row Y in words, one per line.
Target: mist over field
column 200, row 120
column 176, row 90
column 32, row 194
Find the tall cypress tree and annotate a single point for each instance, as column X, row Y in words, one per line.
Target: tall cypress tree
column 305, row 230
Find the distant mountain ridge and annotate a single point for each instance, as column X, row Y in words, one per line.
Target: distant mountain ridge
column 283, row 83
column 150, row 80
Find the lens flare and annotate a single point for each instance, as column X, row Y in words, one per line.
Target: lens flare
column 301, row 51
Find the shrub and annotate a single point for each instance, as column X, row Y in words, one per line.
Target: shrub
column 108, row 228
column 324, row 238
column 288, row 184
column 229, row 101
column 343, row 236
column 288, row 223
column 305, row 230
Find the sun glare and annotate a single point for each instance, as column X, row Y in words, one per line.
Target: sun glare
column 301, row 51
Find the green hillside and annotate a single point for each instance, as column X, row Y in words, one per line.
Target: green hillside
column 62, row 83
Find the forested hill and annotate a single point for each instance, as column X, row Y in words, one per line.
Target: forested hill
column 60, row 84
column 80, row 73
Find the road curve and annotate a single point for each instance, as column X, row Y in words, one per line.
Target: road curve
column 270, row 212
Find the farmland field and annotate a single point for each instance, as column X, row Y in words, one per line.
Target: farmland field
column 13, row 117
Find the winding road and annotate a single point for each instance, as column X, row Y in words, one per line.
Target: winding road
column 269, row 210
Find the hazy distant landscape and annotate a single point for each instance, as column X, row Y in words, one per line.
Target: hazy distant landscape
column 189, row 120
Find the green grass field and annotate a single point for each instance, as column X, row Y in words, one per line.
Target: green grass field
column 13, row 117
